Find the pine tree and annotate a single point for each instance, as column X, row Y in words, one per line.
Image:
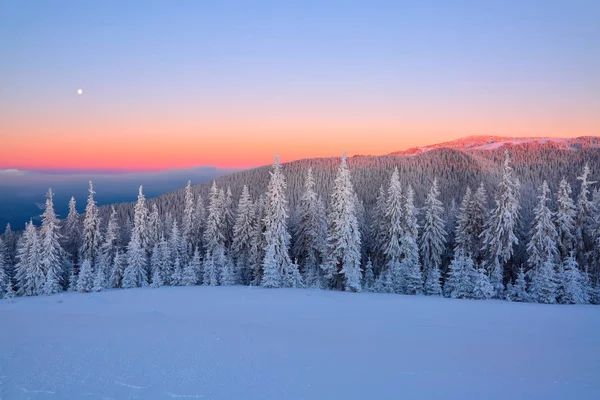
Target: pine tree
column 574, row 288
column 343, row 240
column 118, row 270
column 72, row 233
column 154, row 226
column 476, row 218
column 242, row 237
column 311, row 234
column 199, row 220
column 369, row 276
column 500, row 233
column 543, row 283
column 433, row 238
column 5, row 282
column 394, row 222
column 35, row 276
column 293, row 278
column 91, row 229
column 177, row 246
column 164, row 261
column 482, row 288
column 192, row 270
column 228, row 216
column 99, row 280
column 518, row 291
column 410, row 250
column 109, row 247
column 24, row 247
column 85, row 280
column 177, row 277
column 156, row 279
column 140, row 222
column 211, row 273
column 271, row 276
column 379, row 230
column 433, row 286
column 135, row 274
column 462, row 237
column 543, row 235
column 257, row 250
column 52, row 252
column 228, row 276
column 459, row 284
column 564, row 219
column 584, row 220
column 277, row 236
column 188, row 214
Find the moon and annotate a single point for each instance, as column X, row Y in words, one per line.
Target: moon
column 79, row 91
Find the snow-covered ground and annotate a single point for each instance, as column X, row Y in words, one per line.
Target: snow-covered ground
column 251, row 343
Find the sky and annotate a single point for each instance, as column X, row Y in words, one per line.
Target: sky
column 176, row 84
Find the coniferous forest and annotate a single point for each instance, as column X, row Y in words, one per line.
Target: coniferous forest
column 522, row 225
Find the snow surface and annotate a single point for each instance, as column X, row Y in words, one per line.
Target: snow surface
column 252, row 343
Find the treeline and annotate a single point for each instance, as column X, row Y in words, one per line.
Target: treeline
column 334, row 230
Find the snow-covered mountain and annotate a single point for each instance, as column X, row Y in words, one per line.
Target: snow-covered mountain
column 473, row 143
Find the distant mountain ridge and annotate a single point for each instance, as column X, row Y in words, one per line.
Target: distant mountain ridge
column 472, row 143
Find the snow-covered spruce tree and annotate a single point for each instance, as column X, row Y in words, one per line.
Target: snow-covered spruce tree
column 228, row 216
column 10, row 241
column 575, row 291
column 257, row 250
column 310, row 245
column 109, row 247
column 459, row 284
column 543, row 283
column 542, row 245
column 462, row 237
column 433, row 236
column 191, row 272
column 564, row 219
column 410, row 264
column 52, row 252
column 343, row 241
column 242, row 237
column 433, row 286
column 476, row 212
column 188, row 215
column 277, row 236
column 394, row 222
column 140, row 222
column 85, row 280
column 91, row 230
column 500, row 233
column 177, row 277
column 293, row 278
column 156, row 280
column 363, row 229
column 35, row 274
column 584, row 220
column 379, row 230
column 228, row 275
column 4, row 278
column 154, row 226
column 198, row 222
column 210, row 271
column 136, row 273
column 369, row 276
column 164, row 261
column 214, row 240
column 482, row 288
column 72, row 233
column 99, row 280
column 118, row 269
column 518, row 290
column 177, row 247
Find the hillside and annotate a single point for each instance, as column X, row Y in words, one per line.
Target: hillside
column 252, row 343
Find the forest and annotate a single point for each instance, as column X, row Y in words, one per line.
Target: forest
column 522, row 225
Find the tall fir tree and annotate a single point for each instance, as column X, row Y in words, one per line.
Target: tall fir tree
column 462, row 237
column 343, row 239
column 214, row 240
column 459, row 283
column 85, row 280
column 543, row 283
column 154, row 226
column 277, row 236
column 72, row 233
column 564, row 219
column 118, row 269
column 192, row 270
column 500, row 234
column 542, row 245
column 379, row 230
column 188, row 215
column 575, row 291
column 410, row 264
column 136, row 273
column 91, row 229
column 5, row 281
column 198, row 222
column 584, row 220
column 433, row 237
column 52, row 252
column 109, row 247
column 310, row 246
column 242, row 237
column 393, row 247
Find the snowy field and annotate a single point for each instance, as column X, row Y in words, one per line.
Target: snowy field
column 252, row 343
